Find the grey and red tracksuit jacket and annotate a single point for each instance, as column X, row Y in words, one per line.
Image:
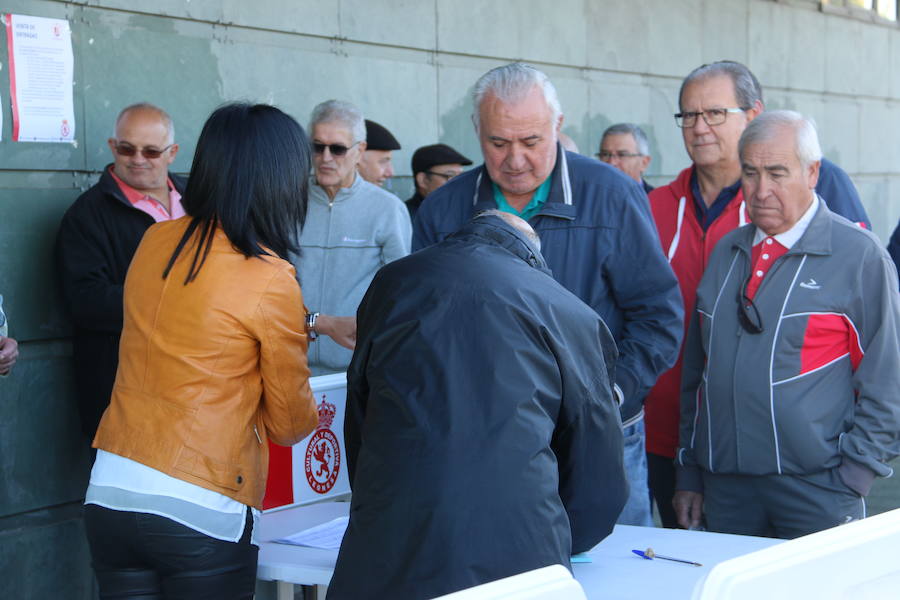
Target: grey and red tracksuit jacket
column 688, row 247
column 819, row 387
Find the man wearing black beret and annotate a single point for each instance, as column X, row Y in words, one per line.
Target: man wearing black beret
column 432, row 167
column 375, row 165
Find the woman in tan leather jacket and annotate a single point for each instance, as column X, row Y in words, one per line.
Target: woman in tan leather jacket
column 212, row 365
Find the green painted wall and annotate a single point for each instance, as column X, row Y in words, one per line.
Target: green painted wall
column 410, row 65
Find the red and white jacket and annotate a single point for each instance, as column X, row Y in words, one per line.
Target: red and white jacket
column 688, row 248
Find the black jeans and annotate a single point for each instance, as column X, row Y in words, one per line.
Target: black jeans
column 147, row 557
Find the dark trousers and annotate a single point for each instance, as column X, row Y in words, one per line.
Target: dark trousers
column 783, row 506
column 147, row 557
column 661, row 478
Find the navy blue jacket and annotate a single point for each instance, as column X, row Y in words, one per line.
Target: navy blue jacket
column 894, row 248
column 481, row 432
column 840, row 194
column 599, row 243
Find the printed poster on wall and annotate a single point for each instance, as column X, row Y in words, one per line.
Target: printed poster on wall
column 41, row 69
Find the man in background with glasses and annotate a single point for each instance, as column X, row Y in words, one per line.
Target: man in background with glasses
column 352, row 229
column 98, row 237
column 626, row 147
column 790, row 405
column 716, row 103
column 432, row 167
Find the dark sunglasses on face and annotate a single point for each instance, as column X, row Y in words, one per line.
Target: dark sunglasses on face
column 335, row 149
column 129, row 150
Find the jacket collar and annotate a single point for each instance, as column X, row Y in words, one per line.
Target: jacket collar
column 559, row 202
column 495, row 231
column 109, row 186
column 815, row 240
column 342, row 193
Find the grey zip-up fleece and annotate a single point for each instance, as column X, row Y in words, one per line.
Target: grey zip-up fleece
column 762, row 404
column 344, row 242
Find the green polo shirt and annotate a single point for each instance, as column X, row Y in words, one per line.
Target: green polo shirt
column 532, row 208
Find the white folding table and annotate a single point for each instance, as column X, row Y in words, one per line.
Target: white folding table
column 615, row 572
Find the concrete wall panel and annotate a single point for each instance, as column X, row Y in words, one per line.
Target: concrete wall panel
column 27, row 275
column 839, row 133
column 514, row 29
column 653, row 36
column 394, row 22
column 843, row 68
column 728, row 24
column 879, row 135
column 46, row 459
column 776, row 32
column 29, row 572
column 160, row 61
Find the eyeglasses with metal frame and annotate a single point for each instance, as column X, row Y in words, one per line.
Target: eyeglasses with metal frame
column 126, row 149
column 607, row 156
column 446, row 176
column 748, row 314
column 712, row 116
column 335, row 149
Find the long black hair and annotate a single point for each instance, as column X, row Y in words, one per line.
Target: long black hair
column 250, row 176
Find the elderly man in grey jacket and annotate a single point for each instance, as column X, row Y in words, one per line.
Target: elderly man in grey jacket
column 790, row 404
column 352, row 229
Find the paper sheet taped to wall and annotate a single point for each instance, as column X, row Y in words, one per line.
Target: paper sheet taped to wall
column 41, row 68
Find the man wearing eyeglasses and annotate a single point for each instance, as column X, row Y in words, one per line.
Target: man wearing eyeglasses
column 789, row 406
column 352, row 229
column 626, row 147
column 716, row 101
column 98, row 237
column 432, row 167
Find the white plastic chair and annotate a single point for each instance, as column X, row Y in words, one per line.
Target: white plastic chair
column 856, row 561
column 547, row 583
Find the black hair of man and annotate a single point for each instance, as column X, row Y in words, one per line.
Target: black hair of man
column 250, row 177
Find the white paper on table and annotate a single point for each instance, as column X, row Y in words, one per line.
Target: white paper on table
column 327, row 535
column 41, row 67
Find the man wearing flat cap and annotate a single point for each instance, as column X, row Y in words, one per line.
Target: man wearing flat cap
column 375, row 165
column 432, row 167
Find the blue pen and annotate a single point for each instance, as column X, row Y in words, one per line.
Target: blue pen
column 649, row 554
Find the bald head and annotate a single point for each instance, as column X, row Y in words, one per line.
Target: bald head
column 517, row 223
column 143, row 146
column 147, row 111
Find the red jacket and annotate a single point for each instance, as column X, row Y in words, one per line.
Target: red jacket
column 688, row 248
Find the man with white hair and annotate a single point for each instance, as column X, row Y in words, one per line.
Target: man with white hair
column 352, row 229
column 626, row 147
column 716, row 103
column 595, row 235
column 789, row 405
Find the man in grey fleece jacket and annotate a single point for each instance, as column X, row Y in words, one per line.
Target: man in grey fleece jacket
column 352, row 229
column 790, row 401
